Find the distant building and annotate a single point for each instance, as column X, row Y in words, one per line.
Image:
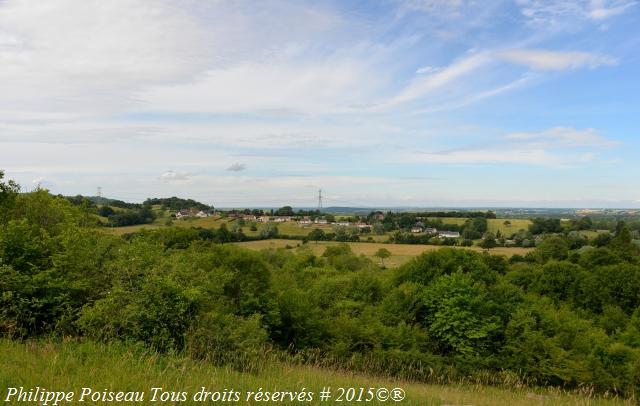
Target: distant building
column 184, row 213
column 249, row 217
column 321, row 221
column 430, row 230
column 448, row 234
column 363, row 226
column 416, row 230
column 343, row 223
column 305, row 220
column 281, row 219
column 263, row 219
column 202, row 214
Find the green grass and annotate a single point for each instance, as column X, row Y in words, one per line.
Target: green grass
column 400, row 253
column 495, row 225
column 70, row 366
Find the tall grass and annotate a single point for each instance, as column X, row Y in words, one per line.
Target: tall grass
column 71, row 365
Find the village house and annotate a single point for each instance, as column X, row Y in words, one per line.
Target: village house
column 321, row 221
column 416, row 230
column 305, row 220
column 202, row 214
column 184, row 213
column 448, row 234
column 343, row 223
column 249, row 217
column 430, row 230
column 363, row 226
column 264, row 219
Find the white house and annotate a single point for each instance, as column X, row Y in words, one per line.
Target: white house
column 449, row 234
column 416, row 230
column 321, row 221
column 202, row 214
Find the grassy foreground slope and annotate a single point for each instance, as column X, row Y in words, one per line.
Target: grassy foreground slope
column 70, row 366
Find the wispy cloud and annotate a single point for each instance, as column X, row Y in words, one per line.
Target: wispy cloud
column 171, row 176
column 563, row 137
column 554, row 60
column 556, row 147
column 564, row 12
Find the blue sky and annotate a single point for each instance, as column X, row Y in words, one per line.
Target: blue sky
column 387, row 103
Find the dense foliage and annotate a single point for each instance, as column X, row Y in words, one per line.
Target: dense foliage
column 176, row 203
column 560, row 316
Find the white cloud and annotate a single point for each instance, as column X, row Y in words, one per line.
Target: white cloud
column 566, row 13
column 556, row 147
column 171, row 176
column 424, row 85
column 552, row 60
column 563, row 137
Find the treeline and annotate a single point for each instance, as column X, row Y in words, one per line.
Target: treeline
column 176, row 203
column 561, row 316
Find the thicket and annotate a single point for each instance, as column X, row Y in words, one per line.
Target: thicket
column 561, row 316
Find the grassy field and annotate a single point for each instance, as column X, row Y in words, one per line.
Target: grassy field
column 514, row 225
column 400, row 253
column 294, row 229
column 70, row 366
column 493, row 225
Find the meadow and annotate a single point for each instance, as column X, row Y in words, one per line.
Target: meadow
column 72, row 365
column 505, row 226
column 400, row 253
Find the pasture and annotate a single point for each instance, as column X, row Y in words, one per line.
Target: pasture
column 400, row 253
column 505, row 226
column 71, row 365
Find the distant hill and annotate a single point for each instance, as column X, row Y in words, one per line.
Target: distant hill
column 175, row 203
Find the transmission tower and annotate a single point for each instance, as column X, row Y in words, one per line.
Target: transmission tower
column 99, row 191
column 320, row 199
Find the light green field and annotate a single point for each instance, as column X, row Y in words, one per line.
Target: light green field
column 495, row 225
column 70, row 366
column 292, row 228
column 400, row 253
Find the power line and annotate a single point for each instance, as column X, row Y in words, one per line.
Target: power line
column 319, row 199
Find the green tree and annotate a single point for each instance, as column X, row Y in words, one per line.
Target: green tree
column 489, row 241
column 316, row 235
column 383, row 254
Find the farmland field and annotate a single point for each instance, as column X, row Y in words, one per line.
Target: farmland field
column 493, row 225
column 400, row 253
column 71, row 365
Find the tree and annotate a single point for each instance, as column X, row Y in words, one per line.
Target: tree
column 284, row 211
column 8, row 193
column 489, row 241
column 268, row 230
column 383, row 253
column 553, row 248
column 317, row 234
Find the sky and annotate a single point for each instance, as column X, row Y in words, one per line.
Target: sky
column 421, row 103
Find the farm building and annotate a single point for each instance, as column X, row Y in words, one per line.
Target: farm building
column 416, row 230
column 448, row 234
